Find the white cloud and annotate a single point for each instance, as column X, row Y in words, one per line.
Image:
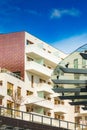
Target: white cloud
column 56, row 13
column 71, row 44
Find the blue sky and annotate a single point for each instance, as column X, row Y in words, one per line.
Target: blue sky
column 60, row 23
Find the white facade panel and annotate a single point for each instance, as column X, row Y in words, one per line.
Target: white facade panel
column 38, row 69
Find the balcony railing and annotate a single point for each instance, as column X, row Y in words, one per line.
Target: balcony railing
column 35, row 118
column 3, row 70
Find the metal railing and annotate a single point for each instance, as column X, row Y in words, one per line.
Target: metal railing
column 35, row 118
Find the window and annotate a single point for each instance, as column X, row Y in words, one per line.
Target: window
column 86, row 120
column 9, row 104
column 19, row 92
column 76, row 76
column 62, row 102
column 83, row 63
column 42, row 81
column 49, row 67
column 77, row 120
column 56, row 102
column 32, row 81
column 44, row 112
column 9, row 88
column 45, row 97
column 62, row 117
column 0, row 101
column 76, row 63
column 29, row 93
column 49, row 51
column 57, row 116
column 49, row 98
column 29, row 42
column 49, row 83
column 29, row 109
column 17, row 113
column 44, row 49
column 29, row 59
column 1, row 83
column 44, row 65
column 77, row 109
column 49, row 114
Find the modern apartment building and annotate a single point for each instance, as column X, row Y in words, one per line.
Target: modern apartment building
column 25, row 76
column 70, row 80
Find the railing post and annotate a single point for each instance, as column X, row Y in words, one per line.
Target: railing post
column 42, row 119
column 11, row 112
column 22, row 115
column 32, row 117
column 59, row 123
column 67, row 125
column 82, row 127
column 75, row 126
column 51, row 121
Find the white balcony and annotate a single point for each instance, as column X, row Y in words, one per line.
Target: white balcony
column 38, row 102
column 38, row 69
column 45, row 88
column 36, row 51
column 60, row 109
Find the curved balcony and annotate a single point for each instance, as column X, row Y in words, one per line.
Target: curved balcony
column 36, row 51
column 39, row 102
column 45, row 88
column 38, row 69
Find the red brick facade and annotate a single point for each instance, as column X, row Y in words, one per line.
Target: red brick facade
column 12, row 51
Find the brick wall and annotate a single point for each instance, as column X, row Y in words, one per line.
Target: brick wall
column 12, row 51
column 27, row 124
